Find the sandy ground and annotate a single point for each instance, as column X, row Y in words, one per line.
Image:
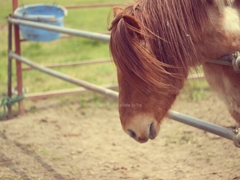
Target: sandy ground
column 67, row 142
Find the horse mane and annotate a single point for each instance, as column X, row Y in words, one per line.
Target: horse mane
column 157, row 43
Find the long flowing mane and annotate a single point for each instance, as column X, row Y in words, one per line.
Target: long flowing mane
column 160, row 43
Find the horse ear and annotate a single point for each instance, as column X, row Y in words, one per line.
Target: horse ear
column 131, row 21
column 117, row 10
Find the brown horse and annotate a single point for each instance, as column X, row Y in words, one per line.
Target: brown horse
column 154, row 43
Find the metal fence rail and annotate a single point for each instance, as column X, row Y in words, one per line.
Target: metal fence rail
column 203, row 125
column 70, row 31
column 87, row 85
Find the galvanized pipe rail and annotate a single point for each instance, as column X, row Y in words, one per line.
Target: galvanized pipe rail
column 200, row 124
column 227, row 133
column 85, row 34
column 93, row 5
column 87, row 85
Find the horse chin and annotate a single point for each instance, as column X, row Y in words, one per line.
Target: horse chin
column 142, row 127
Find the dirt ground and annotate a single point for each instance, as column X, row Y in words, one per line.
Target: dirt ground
column 68, row 142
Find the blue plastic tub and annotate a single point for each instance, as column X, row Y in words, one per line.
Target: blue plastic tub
column 42, row 13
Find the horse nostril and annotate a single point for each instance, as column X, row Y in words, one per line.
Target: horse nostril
column 152, row 131
column 132, row 133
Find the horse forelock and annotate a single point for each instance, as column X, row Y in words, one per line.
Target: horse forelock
column 169, row 29
column 132, row 58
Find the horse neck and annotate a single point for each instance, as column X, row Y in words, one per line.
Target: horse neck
column 222, row 37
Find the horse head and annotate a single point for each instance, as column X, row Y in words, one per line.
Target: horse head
column 154, row 44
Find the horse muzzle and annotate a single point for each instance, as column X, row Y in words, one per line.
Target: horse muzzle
column 142, row 128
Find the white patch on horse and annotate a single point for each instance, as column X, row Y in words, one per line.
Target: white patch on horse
column 231, row 19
